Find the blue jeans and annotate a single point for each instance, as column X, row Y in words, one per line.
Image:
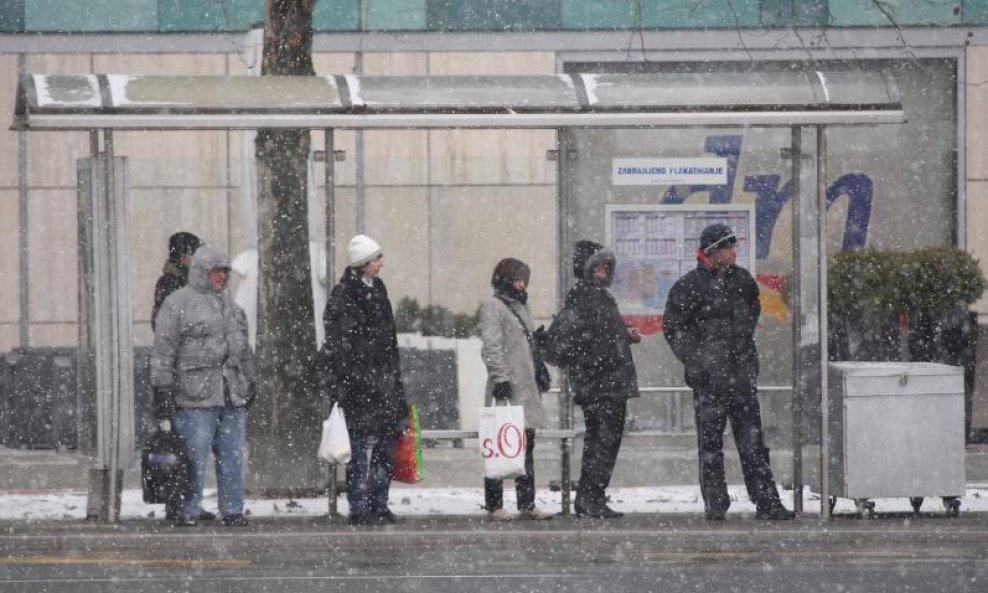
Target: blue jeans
column 367, row 485
column 222, row 429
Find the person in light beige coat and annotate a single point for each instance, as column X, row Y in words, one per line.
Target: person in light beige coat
column 506, row 330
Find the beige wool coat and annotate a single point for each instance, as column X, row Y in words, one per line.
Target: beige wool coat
column 508, row 357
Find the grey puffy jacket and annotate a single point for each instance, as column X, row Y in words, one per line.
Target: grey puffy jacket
column 200, row 342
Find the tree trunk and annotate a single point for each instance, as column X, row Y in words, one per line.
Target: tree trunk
column 285, row 419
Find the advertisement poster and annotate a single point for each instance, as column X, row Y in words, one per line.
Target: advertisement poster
column 657, row 244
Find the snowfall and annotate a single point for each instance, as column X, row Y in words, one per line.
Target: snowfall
column 424, row 502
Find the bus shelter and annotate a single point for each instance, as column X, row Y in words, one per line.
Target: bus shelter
column 102, row 104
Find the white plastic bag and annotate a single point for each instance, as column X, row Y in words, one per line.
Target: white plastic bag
column 502, row 441
column 334, row 446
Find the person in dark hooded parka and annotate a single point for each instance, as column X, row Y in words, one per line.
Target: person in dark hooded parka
column 362, row 373
column 710, row 319
column 204, row 376
column 600, row 369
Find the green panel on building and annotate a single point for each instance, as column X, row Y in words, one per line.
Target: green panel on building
column 801, row 13
column 975, row 12
column 336, row 15
column 90, row 15
column 11, row 16
column 694, row 14
column 394, row 15
column 855, row 13
column 581, row 14
column 209, row 15
column 493, row 15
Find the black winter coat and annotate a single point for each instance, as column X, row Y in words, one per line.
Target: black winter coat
column 710, row 321
column 172, row 278
column 361, row 367
column 600, row 365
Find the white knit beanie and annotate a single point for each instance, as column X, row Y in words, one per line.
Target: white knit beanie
column 362, row 249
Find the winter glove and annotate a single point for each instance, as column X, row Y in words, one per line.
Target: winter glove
column 164, row 402
column 165, row 425
column 502, row 391
column 251, row 394
column 404, row 424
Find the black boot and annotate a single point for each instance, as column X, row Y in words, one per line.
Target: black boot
column 774, row 512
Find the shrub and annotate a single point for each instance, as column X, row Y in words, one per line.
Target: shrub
column 929, row 281
column 435, row 320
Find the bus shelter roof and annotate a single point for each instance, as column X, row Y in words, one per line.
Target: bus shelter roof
column 126, row 102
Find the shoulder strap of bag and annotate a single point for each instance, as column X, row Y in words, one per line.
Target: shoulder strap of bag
column 524, row 328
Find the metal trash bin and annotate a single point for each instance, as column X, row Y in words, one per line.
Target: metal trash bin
column 896, row 430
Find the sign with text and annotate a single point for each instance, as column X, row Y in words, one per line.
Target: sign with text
column 657, row 244
column 698, row 171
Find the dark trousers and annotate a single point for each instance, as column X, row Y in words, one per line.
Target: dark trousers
column 524, row 485
column 604, row 420
column 367, row 484
column 713, row 407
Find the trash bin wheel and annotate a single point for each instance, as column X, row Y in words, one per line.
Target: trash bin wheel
column 916, row 501
column 953, row 506
column 866, row 508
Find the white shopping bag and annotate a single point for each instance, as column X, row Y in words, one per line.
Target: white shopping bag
column 334, row 446
column 502, row 441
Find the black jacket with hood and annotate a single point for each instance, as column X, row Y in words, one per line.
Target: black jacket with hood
column 710, row 321
column 597, row 342
column 361, row 367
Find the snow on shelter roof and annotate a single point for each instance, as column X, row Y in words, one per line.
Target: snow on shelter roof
column 115, row 101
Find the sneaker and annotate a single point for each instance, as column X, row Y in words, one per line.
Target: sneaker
column 499, row 515
column 235, row 521
column 386, row 517
column 535, row 515
column 775, row 512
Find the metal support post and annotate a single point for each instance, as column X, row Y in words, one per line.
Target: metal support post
column 24, row 316
column 565, row 397
column 330, row 189
column 821, row 195
column 797, row 323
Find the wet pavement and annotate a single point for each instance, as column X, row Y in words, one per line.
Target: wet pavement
column 894, row 553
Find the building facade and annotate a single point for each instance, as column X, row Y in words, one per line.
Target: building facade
column 447, row 204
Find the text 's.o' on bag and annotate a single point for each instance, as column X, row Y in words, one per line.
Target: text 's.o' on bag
column 502, row 441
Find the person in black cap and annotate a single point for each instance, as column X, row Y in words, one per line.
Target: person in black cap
column 175, row 274
column 710, row 319
column 598, row 362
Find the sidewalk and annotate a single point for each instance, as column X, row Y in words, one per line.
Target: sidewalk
column 657, row 476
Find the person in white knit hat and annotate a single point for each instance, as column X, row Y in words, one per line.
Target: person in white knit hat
column 362, row 373
column 361, row 250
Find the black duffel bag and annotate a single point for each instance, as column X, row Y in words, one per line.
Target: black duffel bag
column 166, row 470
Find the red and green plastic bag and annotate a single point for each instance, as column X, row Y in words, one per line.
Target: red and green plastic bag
column 408, row 456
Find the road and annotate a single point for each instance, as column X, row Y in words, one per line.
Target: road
column 639, row 553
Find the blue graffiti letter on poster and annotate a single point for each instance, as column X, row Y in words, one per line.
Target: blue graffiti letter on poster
column 770, row 199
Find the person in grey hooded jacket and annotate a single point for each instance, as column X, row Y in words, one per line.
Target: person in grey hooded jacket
column 204, row 376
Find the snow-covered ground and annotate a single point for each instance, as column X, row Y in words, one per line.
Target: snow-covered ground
column 61, row 504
